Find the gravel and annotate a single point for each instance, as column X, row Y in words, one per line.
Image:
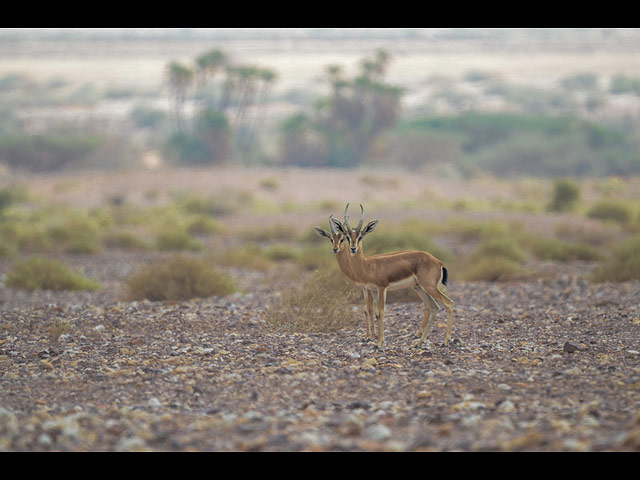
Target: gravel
column 541, row 365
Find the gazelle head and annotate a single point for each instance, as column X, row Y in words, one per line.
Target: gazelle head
column 336, row 237
column 354, row 236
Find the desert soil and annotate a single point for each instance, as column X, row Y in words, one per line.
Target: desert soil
column 551, row 364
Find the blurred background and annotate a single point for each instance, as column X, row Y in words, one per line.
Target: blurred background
column 543, row 102
column 255, row 135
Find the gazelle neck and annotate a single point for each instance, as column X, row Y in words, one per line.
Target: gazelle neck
column 344, row 262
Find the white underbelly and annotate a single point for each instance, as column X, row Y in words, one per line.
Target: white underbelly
column 408, row 282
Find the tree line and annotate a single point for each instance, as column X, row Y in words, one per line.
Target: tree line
column 228, row 108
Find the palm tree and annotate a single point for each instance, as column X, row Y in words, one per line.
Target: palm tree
column 208, row 65
column 180, row 79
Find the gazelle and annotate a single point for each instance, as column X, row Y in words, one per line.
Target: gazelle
column 420, row 271
column 340, row 249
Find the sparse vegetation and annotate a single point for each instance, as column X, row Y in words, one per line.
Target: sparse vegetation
column 124, row 240
column 323, row 303
column 504, row 247
column 37, row 273
column 175, row 238
column 176, row 278
column 249, row 256
column 566, row 195
column 623, row 265
column 611, row 210
column 403, row 238
column 547, row 248
column 494, row 259
column 491, row 269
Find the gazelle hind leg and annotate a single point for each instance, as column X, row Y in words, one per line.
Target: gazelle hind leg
column 448, row 304
column 432, row 310
column 425, row 317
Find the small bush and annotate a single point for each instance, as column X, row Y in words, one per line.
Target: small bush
column 557, row 250
column 317, row 257
column 469, row 231
column 594, row 233
column 11, row 195
column 176, row 239
column 38, row 273
column 504, row 247
column 124, row 241
column 566, row 194
column 279, row 252
column 623, row 265
column 75, row 234
column 491, row 269
column 178, row 278
column 7, row 249
column 203, row 225
column 270, row 233
column 494, row 259
column 223, row 202
column 387, row 241
column 324, row 303
column 48, row 151
column 610, row 210
column 249, row 256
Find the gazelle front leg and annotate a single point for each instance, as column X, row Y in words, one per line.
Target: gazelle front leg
column 368, row 314
column 382, row 298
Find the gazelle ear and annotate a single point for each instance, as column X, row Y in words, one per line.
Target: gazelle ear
column 322, row 232
column 371, row 226
column 339, row 226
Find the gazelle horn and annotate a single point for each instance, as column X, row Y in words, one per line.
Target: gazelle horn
column 346, row 217
column 361, row 218
column 333, row 230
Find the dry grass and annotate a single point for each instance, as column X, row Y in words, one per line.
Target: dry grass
column 324, row 303
column 179, row 277
column 38, row 273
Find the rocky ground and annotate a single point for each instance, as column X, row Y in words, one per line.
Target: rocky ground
column 546, row 365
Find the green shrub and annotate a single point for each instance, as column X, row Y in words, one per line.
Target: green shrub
column 223, row 202
column 176, row 239
column 546, row 248
column 7, row 249
column 504, row 247
column 470, row 231
column 317, row 257
column 494, row 259
column 580, row 81
column 11, row 195
column 203, row 225
column 610, row 210
column 249, row 256
column 623, row 265
column 178, row 278
column 270, row 233
column 395, row 240
column 47, row 151
column 595, row 234
column 38, row 273
column 280, row 251
column 566, row 195
column 75, row 234
column 323, row 303
column 624, row 84
column 491, row 269
column 124, row 241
